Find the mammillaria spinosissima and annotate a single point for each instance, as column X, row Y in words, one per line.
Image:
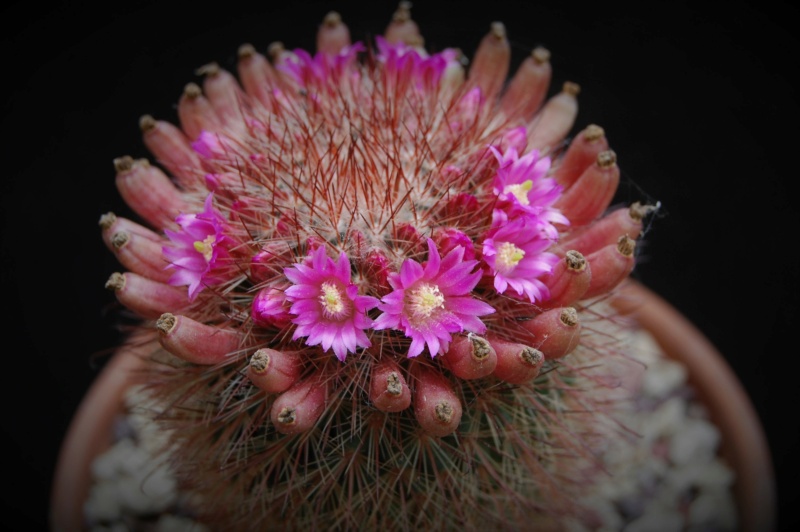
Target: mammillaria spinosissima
column 377, row 278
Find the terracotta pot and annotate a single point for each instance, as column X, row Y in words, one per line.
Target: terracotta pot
column 743, row 444
column 90, row 433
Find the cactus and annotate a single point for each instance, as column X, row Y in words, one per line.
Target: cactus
column 378, row 280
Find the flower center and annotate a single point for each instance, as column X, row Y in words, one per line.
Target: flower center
column 205, row 247
column 520, row 191
column 333, row 302
column 508, row 256
column 424, row 301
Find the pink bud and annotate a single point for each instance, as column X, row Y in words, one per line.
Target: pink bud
column 332, row 35
column 218, row 182
column 406, row 237
column 145, row 297
column 402, row 28
column 148, row 191
column 581, row 153
column 460, row 207
column 527, row 89
column 225, row 95
column 210, row 145
column 516, row 138
column 299, row 408
column 610, row 266
column 376, row 270
column 436, row 405
column 467, row 109
column 556, row 332
column 196, row 342
column 285, row 226
column 256, row 74
column 490, row 65
column 274, row 371
column 470, row 357
column 448, row 238
column 516, row 363
column 135, row 246
column 195, row 113
column 170, row 147
column 313, row 242
column 607, row 229
column 569, row 280
column 270, row 308
column 551, row 125
column 388, row 389
column 591, row 194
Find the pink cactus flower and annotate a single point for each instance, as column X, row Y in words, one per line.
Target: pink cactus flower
column 430, row 302
column 328, row 309
column 270, row 308
column 516, row 253
column 522, row 186
column 306, row 69
column 197, row 249
column 209, row 145
column 404, row 62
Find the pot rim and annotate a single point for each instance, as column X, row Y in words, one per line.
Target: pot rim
column 743, row 443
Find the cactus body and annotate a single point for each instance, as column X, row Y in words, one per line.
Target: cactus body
column 365, row 241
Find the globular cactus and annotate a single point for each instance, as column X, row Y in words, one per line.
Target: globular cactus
column 376, row 279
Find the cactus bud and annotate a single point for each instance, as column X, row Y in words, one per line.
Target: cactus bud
column 297, row 409
column 274, row 371
column 556, row 332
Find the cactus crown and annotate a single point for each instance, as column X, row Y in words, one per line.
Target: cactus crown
column 384, row 296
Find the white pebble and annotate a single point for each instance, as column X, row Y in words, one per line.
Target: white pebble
column 103, row 502
column 713, row 510
column 107, row 465
column 697, row 442
column 663, row 377
column 717, row 476
column 666, row 420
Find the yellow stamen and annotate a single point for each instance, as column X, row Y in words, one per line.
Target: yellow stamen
column 520, row 191
column 206, row 247
column 331, row 299
column 425, row 300
column 508, row 256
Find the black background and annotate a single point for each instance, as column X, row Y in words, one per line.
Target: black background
column 697, row 103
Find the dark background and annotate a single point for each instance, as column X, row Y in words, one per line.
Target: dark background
column 697, row 103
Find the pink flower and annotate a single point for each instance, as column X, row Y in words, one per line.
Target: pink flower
column 516, row 254
column 197, row 249
column 209, row 145
column 448, row 238
column 327, row 305
column 404, row 63
column 522, row 187
column 270, row 308
column 431, row 302
column 307, row 70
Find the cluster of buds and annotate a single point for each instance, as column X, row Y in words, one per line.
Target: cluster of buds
column 364, row 269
